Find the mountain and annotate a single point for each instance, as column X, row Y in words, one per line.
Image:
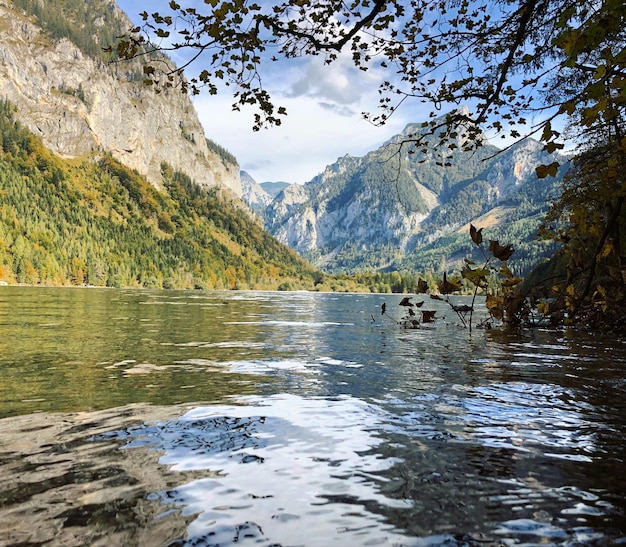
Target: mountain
column 104, row 182
column 86, row 222
column 54, row 66
column 259, row 196
column 254, row 194
column 400, row 207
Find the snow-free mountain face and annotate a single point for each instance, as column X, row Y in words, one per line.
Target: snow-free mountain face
column 259, row 196
column 80, row 104
column 253, row 193
column 401, row 208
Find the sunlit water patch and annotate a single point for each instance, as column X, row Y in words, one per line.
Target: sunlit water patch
column 276, row 467
column 530, row 417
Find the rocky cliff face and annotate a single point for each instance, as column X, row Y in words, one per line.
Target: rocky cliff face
column 510, row 171
column 254, row 194
column 345, row 206
column 80, row 105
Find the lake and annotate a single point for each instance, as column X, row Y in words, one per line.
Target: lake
column 191, row 418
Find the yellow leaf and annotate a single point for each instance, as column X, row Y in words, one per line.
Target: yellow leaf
column 512, row 282
column 607, row 249
column 543, row 307
column 544, row 170
column 506, row 271
column 495, row 305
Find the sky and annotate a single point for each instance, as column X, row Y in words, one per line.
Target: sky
column 323, row 123
column 324, row 117
column 325, row 106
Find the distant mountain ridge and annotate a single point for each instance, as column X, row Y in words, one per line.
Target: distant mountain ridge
column 399, row 207
column 259, row 196
column 254, row 194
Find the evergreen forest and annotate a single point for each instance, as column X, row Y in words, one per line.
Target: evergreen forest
column 95, row 222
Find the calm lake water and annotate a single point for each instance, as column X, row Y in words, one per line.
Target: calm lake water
column 171, row 418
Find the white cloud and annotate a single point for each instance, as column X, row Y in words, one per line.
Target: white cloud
column 324, row 105
column 340, row 110
column 340, row 82
column 312, row 136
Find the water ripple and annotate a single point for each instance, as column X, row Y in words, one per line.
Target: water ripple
column 300, row 419
column 529, row 417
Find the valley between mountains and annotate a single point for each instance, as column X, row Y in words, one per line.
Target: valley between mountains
column 105, row 182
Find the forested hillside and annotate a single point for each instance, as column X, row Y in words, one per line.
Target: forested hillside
column 515, row 219
column 92, row 26
column 94, row 221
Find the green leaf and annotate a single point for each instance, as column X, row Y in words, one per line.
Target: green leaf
column 478, row 276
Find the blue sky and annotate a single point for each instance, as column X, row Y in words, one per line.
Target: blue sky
column 324, row 121
column 324, row 105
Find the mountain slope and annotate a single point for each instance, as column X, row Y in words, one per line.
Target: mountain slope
column 99, row 223
column 399, row 208
column 54, row 68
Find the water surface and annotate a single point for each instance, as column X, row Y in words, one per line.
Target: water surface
column 218, row 418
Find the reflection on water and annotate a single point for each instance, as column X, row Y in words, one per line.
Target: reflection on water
column 179, row 418
column 284, row 462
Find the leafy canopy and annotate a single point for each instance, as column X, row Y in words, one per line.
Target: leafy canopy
column 501, row 57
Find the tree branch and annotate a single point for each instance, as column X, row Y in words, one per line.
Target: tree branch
column 319, row 45
column 526, row 12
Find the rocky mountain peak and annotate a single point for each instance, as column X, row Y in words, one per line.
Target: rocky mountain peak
column 370, row 213
column 253, row 193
